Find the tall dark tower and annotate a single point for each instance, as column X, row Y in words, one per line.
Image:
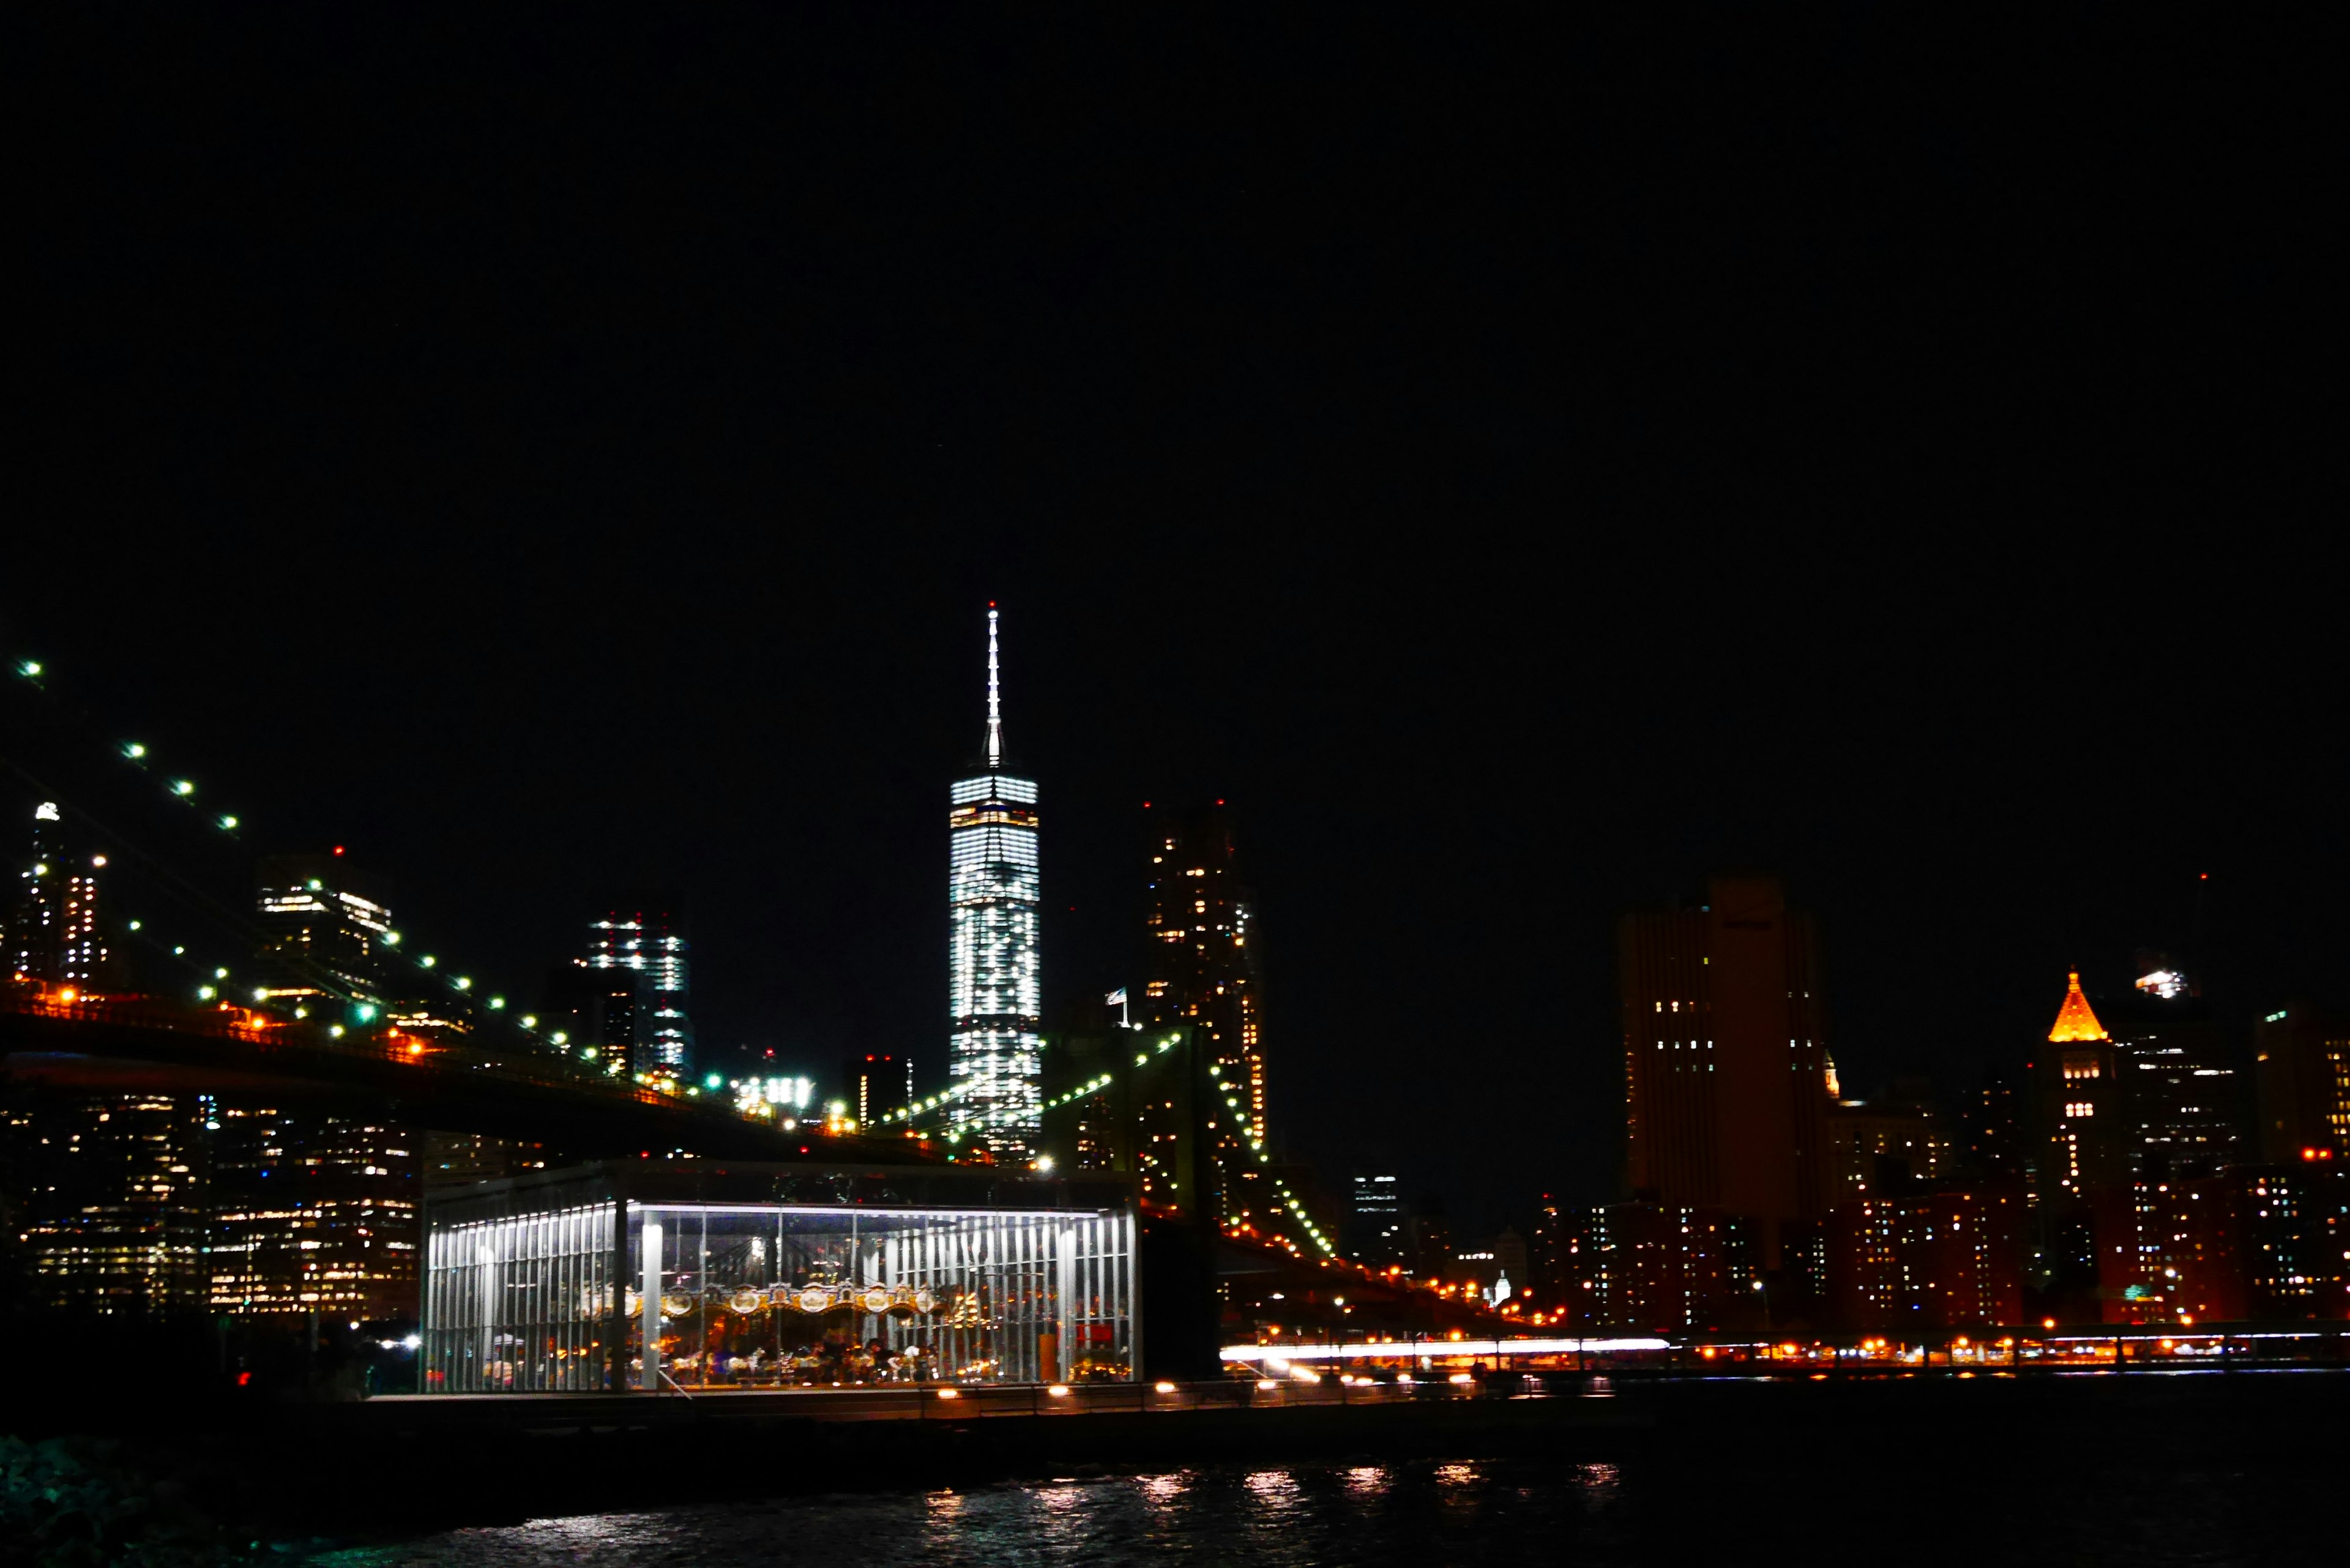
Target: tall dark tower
column 1203, row 965
column 1724, row 1061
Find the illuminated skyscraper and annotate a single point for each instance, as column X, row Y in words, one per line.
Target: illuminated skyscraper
column 325, row 939
column 994, row 996
column 1202, row 967
column 53, row 932
column 642, row 936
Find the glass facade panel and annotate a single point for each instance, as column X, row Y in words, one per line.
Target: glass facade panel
column 519, row 1305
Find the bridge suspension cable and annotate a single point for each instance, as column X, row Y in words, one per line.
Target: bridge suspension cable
column 181, row 788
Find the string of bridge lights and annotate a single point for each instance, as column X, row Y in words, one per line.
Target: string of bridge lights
column 1101, row 1081
column 184, row 790
column 1288, row 1198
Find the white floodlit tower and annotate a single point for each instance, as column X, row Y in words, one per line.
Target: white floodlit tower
column 995, row 1001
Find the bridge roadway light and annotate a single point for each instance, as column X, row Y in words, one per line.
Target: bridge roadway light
column 228, row 824
column 496, row 1001
column 134, row 751
column 184, row 787
column 204, row 993
column 392, row 939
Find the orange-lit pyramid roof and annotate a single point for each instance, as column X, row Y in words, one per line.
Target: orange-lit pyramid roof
column 2074, row 1019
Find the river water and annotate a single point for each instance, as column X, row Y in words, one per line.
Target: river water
column 1433, row 1514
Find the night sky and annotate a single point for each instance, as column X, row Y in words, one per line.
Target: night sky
column 1521, row 469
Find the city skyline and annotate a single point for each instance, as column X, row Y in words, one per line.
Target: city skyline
column 290, row 894
column 1512, row 540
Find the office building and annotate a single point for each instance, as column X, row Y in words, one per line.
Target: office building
column 1991, row 1130
column 642, row 938
column 1897, row 1137
column 1726, row 1067
column 1928, row 1261
column 323, row 929
column 1375, row 1222
column 1656, row 1268
column 2302, row 1066
column 111, row 1195
column 1203, row 965
column 994, row 989
column 875, row 1083
column 52, row 936
column 593, row 1013
column 2294, row 1237
column 310, row 1212
column 2178, row 1073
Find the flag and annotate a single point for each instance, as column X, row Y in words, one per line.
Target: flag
column 1115, row 998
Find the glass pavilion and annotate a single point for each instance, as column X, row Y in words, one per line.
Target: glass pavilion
column 778, row 1276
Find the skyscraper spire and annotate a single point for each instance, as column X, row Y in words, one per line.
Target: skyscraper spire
column 994, row 704
column 2074, row 1021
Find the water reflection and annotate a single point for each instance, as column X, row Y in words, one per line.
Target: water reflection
column 1421, row 1514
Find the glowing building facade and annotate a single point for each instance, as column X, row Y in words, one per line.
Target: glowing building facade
column 995, row 997
column 641, row 938
column 323, row 938
column 1203, row 972
column 53, row 936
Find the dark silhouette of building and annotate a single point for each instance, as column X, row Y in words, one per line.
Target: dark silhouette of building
column 1375, row 1223
column 1134, row 1101
column 1991, row 1130
column 1725, row 1063
column 593, row 1014
column 1203, row 971
column 875, row 1083
column 1902, row 1259
column 1899, row 1128
column 2302, row 1066
column 2294, row 1237
column 1658, row 1268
